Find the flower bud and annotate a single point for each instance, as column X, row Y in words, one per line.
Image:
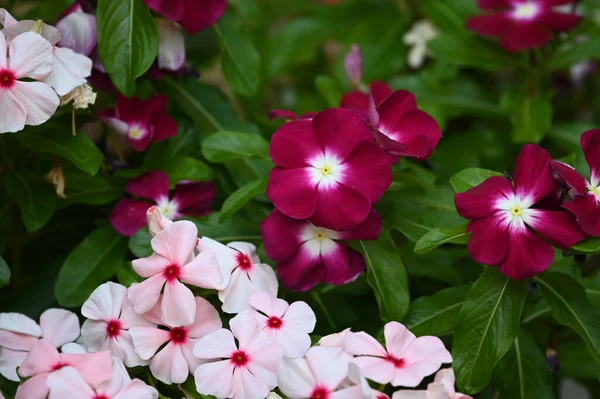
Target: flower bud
column 57, row 178
column 156, row 221
column 82, row 97
column 171, row 46
column 353, row 63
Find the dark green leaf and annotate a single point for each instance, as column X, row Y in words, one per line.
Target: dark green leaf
column 94, row 190
column 127, row 276
column 225, row 146
column 439, row 236
column 35, row 197
column 575, row 360
column 469, row 178
column 4, row 273
column 592, row 288
column 95, row 260
column 531, row 115
column 436, row 314
column 588, row 245
column 187, row 168
column 139, row 243
column 233, row 229
column 449, row 15
column 573, row 52
column 127, row 41
column 532, row 312
column 189, row 387
column 487, row 325
column 567, row 135
column 386, row 274
column 241, row 197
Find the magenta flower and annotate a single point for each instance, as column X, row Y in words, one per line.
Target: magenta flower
column 504, row 218
column 188, row 199
column 522, row 24
column 192, row 15
column 586, row 195
column 405, row 360
column 328, row 169
column 141, row 122
column 275, row 114
column 360, row 101
column 307, row 254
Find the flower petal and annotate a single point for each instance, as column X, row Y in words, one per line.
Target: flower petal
column 397, row 339
column 171, row 46
column 9, row 361
column 590, row 143
column 12, row 114
column 41, row 358
column 361, row 344
column 528, row 254
column 176, row 242
column 586, row 212
column 355, row 100
column 38, row 99
column 571, row 178
column 144, row 296
column 521, row 37
column 493, row 4
column 394, row 107
column 194, row 198
column 301, row 271
column 69, row 70
column 329, row 365
column 342, row 264
column 30, row 56
column 173, row 10
column 558, row 21
column 294, row 144
column 368, row 170
column 215, row 379
column 34, row 388
column 150, row 266
column 147, row 340
column 237, row 293
column 282, row 236
column 95, row 368
column 293, row 191
column 206, row 320
column 15, row 341
column 217, row 345
column 295, row 378
column 137, row 389
column 339, row 130
column 489, row 240
column 106, row 302
column 178, row 305
column 246, row 385
column 152, row 185
column 294, row 343
column 169, row 365
column 492, row 25
column 203, row 271
column 19, row 323
column 559, row 228
column 59, row 326
column 128, row 216
column 199, row 15
column 483, row 200
column 68, row 383
column 301, row 317
column 340, row 207
column 78, row 32
column 367, row 230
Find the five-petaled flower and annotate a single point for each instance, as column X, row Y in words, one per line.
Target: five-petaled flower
column 192, row 15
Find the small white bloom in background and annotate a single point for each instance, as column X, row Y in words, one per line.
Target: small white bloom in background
column 82, row 97
column 421, row 33
column 171, row 45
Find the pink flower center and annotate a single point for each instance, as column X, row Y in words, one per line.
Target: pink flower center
column 382, row 396
column 172, row 272
column 7, row 78
column 239, row 358
column 113, row 328
column 398, row 363
column 101, row 397
column 320, row 393
column 59, row 366
column 244, row 261
column 179, row 335
column 274, row 322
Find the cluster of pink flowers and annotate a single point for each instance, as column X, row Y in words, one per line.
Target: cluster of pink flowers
column 506, row 213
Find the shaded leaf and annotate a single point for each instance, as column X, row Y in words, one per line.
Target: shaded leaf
column 469, row 178
column 225, row 146
column 241, row 197
column 4, row 273
column 139, row 243
column 35, row 198
column 436, row 314
column 439, row 236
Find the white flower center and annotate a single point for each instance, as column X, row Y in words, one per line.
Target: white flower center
column 526, row 11
column 318, row 240
column 516, row 210
column 326, row 170
column 136, row 132
column 168, row 209
column 595, row 190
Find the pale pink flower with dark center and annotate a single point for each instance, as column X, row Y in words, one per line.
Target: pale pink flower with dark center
column 441, row 388
column 175, row 361
column 405, row 361
column 110, row 317
column 245, row 370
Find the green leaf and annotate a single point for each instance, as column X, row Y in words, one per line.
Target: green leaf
column 386, row 274
column 588, row 245
column 523, row 372
column 575, row 51
column 139, row 243
column 241, row 197
column 189, row 387
column 531, row 115
column 449, row 15
column 180, row 168
column 436, row 314
column 95, row 260
column 571, row 308
column 93, row 190
column 4, row 273
column 127, row 41
column 576, row 361
column 239, row 59
column 439, row 236
column 35, row 197
column 469, row 178
column 487, row 325
column 225, row 146
column 233, row 229
column 54, row 139
column 329, row 90
column 592, row 288
column 127, row 276
column 567, row 135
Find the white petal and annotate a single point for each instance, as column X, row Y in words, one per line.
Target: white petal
column 248, row 386
column 9, row 361
column 59, row 326
column 19, row 323
column 105, row 302
column 69, row 70
column 294, row 343
column 6, row 19
column 30, row 56
column 203, row 271
column 236, row 295
column 215, row 379
column 171, row 47
column 329, row 365
column 68, row 383
column 169, row 365
column 137, row 389
column 147, row 340
column 178, row 305
column 94, row 334
column 268, row 304
column 217, row 345
column 246, row 248
column 300, row 316
column 78, row 32
column 123, row 346
column 295, row 378
column 12, row 113
column 3, row 61
column 206, row 321
column 38, row 99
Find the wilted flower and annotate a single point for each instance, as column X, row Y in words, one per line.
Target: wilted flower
column 418, row 37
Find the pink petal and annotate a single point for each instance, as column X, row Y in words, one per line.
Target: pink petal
column 12, row 114
column 236, row 294
column 144, row 296
column 411, row 375
column 367, row 230
column 206, row 320
column 294, row 144
column 217, row 345
column 570, row 177
column 493, row 4
column 246, row 385
column 361, row 343
column 493, row 25
column 293, row 191
column 489, row 240
column 268, row 304
column 203, row 271
column 397, row 339
column 368, row 170
column 590, row 143
column 30, row 56
column 171, row 47
column 376, row 368
column 533, row 174
column 38, row 99
column 246, row 330
column 201, row 14
column 137, row 389
column 418, row 131
column 33, row 388
column 172, row 9
column 339, row 131
column 15, row 341
column 342, row 264
column 129, row 318
column 41, row 358
column 194, row 199
column 156, row 221
column 264, row 364
column 95, row 368
column 150, row 266
column 59, row 326
column 78, row 32
column 295, row 378
column 430, row 349
column 301, row 271
column 105, row 302
column 559, row 228
column 68, row 383
column 282, row 236
column 169, row 365
column 446, row 378
column 483, row 200
column 19, row 323
column 139, row 144
column 528, row 254
column 281, row 114
column 558, row 21
column 176, row 242
column 147, row 340
column 178, row 304
column 163, row 126
column 525, row 36
column 329, row 365
column 152, row 185
column 215, row 379
column 294, row 343
column 69, row 70
column 355, row 100
column 586, row 212
column 9, row 361
column 226, row 257
column 394, row 107
column 340, row 207
column 263, row 278
column 128, row 216
column 123, row 349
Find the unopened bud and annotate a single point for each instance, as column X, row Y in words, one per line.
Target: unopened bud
column 353, row 63
column 156, row 221
column 57, row 179
column 171, row 46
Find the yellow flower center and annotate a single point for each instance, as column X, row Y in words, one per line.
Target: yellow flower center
column 525, row 11
column 325, row 170
column 516, row 210
column 320, row 235
column 595, row 191
column 135, row 133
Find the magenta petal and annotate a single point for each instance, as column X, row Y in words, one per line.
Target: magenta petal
column 525, row 36
column 128, row 216
column 342, row 264
column 172, row 9
column 570, row 177
column 340, row 207
column 494, row 25
column 355, row 100
column 163, row 127
column 152, row 185
column 201, row 14
column 194, row 198
column 292, row 192
column 368, row 170
column 294, row 144
column 417, row 123
column 590, row 143
column 282, row 236
column 554, row 3
column 528, row 254
column 558, row 21
column 391, row 146
column 481, row 201
column 489, row 240
column 301, row 271
column 558, row 227
column 587, row 213
column 380, row 91
column 533, row 174
column 367, row 230
column 393, row 109
column 140, row 144
column 282, row 114
column 339, row 130
column 493, row 4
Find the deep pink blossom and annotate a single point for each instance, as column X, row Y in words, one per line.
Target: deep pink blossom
column 441, row 388
column 307, row 253
column 141, row 121
column 522, row 24
column 152, row 188
column 504, row 218
column 192, row 15
column 328, row 169
column 275, row 114
column 405, row 360
column 360, row 101
column 585, row 195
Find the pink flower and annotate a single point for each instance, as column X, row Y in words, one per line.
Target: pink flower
column 441, row 388
column 25, row 103
column 328, row 169
column 288, row 325
column 174, row 362
column 141, row 122
column 44, row 359
column 521, row 24
column 174, row 261
column 110, row 317
column 68, row 383
column 360, row 101
column 156, row 221
column 503, row 216
column 586, row 195
column 246, row 370
column 245, row 275
column 193, row 15
column 188, row 199
column 322, row 374
column 171, row 47
column 78, row 30
column 405, row 361
column 289, row 115
column 307, row 254
column 334, row 340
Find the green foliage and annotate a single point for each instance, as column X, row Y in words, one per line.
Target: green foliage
column 227, row 146
column 241, row 197
column 436, row 314
column 35, row 197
